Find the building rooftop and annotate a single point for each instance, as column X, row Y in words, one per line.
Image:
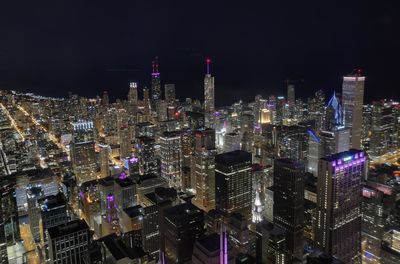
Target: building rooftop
column 119, row 250
column 52, row 202
column 134, row 211
column 210, row 242
column 178, row 213
column 67, row 228
column 233, row 157
column 344, row 155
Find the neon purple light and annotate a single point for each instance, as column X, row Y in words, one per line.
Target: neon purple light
column 82, row 195
column 134, row 160
column 110, row 198
column 225, row 248
column 155, row 74
column 122, row 175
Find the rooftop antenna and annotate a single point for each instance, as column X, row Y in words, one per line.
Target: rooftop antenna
column 208, row 61
column 157, row 64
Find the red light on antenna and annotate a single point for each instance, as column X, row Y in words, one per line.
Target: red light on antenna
column 208, row 60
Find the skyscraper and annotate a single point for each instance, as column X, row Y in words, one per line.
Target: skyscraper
column 155, row 83
column 209, row 98
column 125, row 146
column 133, row 97
column 68, row 243
column 338, row 218
column 289, row 203
column 171, row 158
column 233, row 183
column 148, row 163
column 204, row 169
column 83, row 155
column 170, row 93
column 184, row 223
column 352, row 99
column 104, row 157
column 231, row 142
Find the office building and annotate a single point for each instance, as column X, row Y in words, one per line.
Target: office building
column 184, row 224
column 68, row 243
column 352, row 100
column 233, row 183
column 53, row 211
column 289, row 203
column 133, row 97
column 155, row 83
column 170, row 94
column 171, row 158
column 204, row 169
column 338, row 213
column 209, row 98
column 104, row 159
column 148, row 163
column 231, row 142
column 273, row 244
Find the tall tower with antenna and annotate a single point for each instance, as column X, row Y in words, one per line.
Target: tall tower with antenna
column 155, row 82
column 209, row 98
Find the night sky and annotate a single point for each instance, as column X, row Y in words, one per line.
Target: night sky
column 52, row 47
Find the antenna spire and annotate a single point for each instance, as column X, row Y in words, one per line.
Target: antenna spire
column 157, row 64
column 208, row 61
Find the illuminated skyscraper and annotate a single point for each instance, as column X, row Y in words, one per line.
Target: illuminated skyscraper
column 289, row 203
column 233, row 183
column 105, row 99
column 170, row 94
column 104, row 157
column 209, row 98
column 171, row 158
column 83, row 155
column 204, row 169
column 183, row 223
column 148, row 163
column 383, row 135
column 155, row 83
column 231, row 142
column 133, row 97
column 352, row 99
column 338, row 214
column 125, row 146
column 146, row 104
column 68, row 243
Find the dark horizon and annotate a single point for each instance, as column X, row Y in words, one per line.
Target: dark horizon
column 52, row 48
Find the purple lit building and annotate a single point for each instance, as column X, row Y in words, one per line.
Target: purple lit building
column 338, row 214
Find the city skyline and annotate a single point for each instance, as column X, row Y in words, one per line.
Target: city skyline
column 182, row 132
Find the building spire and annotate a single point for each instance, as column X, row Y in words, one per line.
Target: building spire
column 157, row 64
column 208, row 61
